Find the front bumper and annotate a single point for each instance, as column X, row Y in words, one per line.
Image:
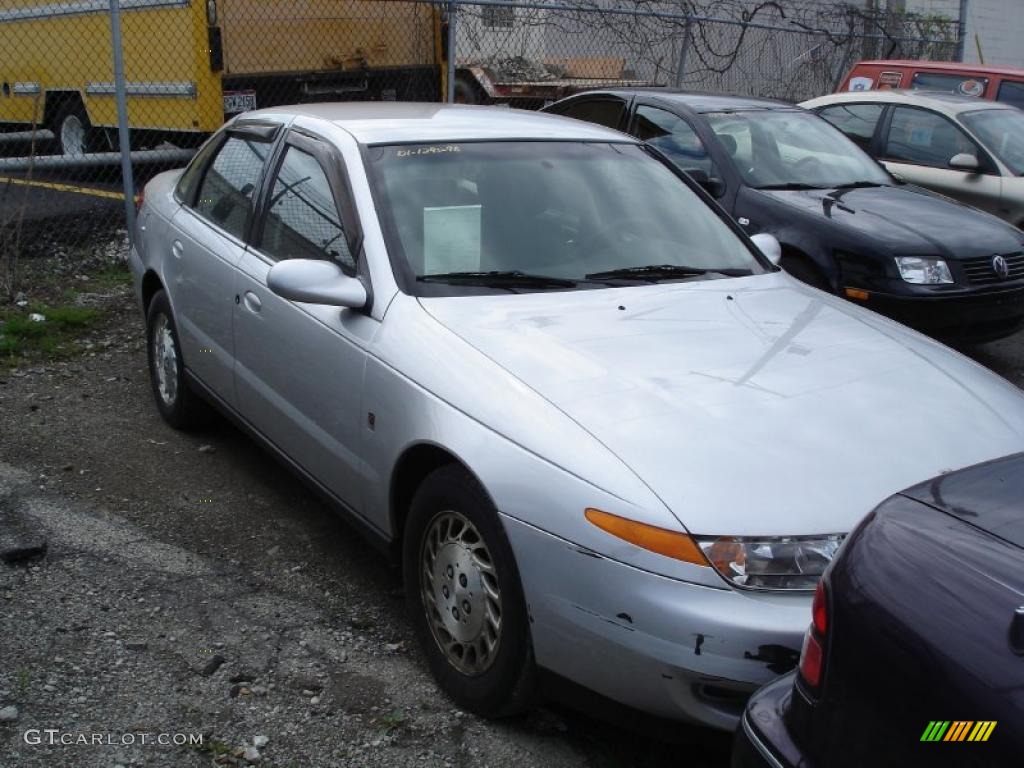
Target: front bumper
column 762, row 739
column 981, row 314
column 671, row 648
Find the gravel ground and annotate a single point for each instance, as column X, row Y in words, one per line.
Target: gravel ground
column 192, row 586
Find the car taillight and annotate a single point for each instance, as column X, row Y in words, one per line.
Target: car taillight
column 819, row 611
column 811, row 659
column 812, row 655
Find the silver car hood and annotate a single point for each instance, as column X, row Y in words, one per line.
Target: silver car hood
column 750, row 406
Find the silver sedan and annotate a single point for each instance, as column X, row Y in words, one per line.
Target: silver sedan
column 601, row 432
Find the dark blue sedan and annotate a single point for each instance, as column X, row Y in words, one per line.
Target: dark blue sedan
column 915, row 652
column 844, row 223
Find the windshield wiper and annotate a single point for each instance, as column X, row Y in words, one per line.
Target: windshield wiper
column 859, row 185
column 654, row 272
column 790, row 185
column 509, row 277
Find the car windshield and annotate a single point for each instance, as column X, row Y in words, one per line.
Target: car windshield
column 546, row 215
column 1002, row 133
column 780, row 149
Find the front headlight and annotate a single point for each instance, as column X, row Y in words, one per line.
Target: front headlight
column 921, row 270
column 781, row 562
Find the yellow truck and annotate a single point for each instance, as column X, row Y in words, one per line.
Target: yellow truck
column 189, row 64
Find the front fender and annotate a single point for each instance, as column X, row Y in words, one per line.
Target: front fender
column 547, row 492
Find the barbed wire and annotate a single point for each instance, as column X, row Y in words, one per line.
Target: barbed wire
column 782, row 48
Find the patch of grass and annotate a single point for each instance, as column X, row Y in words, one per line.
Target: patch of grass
column 24, row 676
column 393, row 720
column 107, row 279
column 23, row 339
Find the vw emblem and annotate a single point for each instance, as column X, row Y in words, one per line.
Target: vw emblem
column 1000, row 267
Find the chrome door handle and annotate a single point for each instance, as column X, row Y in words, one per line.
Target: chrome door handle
column 177, row 249
column 252, row 302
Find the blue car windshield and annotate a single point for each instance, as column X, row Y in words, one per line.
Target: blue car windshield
column 780, row 148
column 571, row 211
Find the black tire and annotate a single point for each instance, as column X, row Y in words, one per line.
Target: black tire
column 507, row 684
column 70, row 114
column 182, row 409
column 468, row 92
column 806, row 271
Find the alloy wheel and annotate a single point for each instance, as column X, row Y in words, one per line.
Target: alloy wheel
column 460, row 593
column 165, row 360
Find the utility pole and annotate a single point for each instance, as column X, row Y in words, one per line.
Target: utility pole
column 868, row 43
column 961, row 43
column 122, row 118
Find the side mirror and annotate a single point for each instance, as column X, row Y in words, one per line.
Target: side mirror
column 964, row 162
column 316, row 281
column 769, row 246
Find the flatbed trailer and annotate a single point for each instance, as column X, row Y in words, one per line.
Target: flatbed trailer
column 477, row 85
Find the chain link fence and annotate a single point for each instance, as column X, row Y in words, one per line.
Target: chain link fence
column 81, row 80
column 790, row 51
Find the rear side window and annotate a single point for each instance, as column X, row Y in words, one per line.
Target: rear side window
column 858, row 121
column 1011, row 92
column 921, row 137
column 302, row 220
column 675, row 137
column 606, row 112
column 966, row 85
column 188, row 184
column 226, row 193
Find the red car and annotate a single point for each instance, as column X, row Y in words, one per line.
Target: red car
column 994, row 83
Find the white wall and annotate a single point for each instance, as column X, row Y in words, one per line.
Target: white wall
column 996, row 25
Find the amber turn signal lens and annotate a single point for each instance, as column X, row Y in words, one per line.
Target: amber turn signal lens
column 659, row 540
column 724, row 552
column 857, row 293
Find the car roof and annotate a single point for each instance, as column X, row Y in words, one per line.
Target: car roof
column 941, row 101
column 698, row 101
column 377, row 122
column 944, row 66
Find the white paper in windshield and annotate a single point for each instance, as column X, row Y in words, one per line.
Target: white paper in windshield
column 451, row 239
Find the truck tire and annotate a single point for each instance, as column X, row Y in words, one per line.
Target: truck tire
column 72, row 129
column 467, row 91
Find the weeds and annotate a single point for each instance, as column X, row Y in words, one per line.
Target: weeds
column 24, row 338
column 392, row 721
column 23, row 677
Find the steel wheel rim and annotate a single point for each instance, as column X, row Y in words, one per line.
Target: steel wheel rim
column 460, row 593
column 72, row 136
column 165, row 360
